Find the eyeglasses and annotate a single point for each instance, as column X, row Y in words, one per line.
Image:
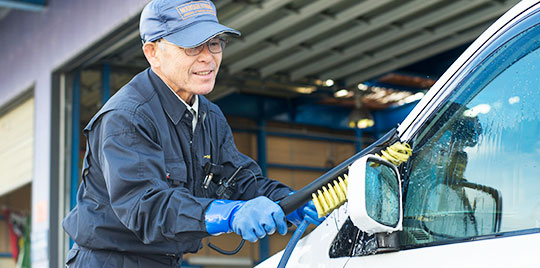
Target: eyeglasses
column 215, row 46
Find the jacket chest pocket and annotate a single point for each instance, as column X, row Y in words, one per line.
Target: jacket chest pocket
column 176, row 173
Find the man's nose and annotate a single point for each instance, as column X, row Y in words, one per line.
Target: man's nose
column 205, row 54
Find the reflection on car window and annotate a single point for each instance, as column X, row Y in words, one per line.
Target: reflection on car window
column 476, row 166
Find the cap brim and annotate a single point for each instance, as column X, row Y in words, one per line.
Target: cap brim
column 199, row 33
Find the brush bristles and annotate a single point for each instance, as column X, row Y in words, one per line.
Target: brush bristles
column 331, row 196
column 397, row 153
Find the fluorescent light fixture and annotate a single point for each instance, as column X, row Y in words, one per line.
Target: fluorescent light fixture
column 305, row 90
column 328, row 83
column 342, row 93
column 365, row 123
column 360, row 118
column 362, row 87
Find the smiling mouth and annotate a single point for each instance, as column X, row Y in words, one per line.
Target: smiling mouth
column 203, row 73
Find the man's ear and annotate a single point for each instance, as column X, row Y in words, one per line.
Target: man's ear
column 150, row 50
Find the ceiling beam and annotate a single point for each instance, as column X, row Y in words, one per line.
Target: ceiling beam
column 221, row 3
column 392, row 34
column 378, row 22
column 418, row 55
column 411, row 44
column 254, row 12
column 129, row 37
column 129, row 53
column 27, row 5
column 293, row 18
column 324, row 24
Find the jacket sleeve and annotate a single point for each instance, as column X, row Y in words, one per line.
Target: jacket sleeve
column 251, row 182
column 133, row 166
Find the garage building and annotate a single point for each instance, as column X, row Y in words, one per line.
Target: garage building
column 309, row 84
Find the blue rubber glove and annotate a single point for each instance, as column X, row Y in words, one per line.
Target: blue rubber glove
column 307, row 212
column 218, row 215
column 253, row 219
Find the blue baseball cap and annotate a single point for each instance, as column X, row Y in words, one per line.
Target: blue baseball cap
column 186, row 23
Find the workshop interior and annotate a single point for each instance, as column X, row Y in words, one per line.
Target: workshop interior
column 308, row 85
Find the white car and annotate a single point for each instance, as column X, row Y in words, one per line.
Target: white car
column 470, row 192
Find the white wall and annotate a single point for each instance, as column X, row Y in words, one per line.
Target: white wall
column 34, row 45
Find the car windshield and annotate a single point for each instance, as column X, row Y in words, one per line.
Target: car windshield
column 476, row 163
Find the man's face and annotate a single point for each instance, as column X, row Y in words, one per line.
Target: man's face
column 187, row 75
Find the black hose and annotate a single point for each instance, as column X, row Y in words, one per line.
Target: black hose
column 227, row 252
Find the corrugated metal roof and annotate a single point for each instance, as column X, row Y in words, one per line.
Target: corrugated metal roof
column 349, row 41
column 27, row 5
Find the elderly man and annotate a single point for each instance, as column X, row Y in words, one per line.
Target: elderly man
column 158, row 150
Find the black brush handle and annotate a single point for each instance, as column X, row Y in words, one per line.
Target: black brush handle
column 292, row 202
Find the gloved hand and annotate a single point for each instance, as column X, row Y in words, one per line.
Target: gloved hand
column 307, row 212
column 253, row 219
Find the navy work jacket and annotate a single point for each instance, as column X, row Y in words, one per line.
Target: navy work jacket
column 143, row 171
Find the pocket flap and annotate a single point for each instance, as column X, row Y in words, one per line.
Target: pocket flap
column 176, row 172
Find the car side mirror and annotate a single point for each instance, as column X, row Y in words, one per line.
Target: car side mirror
column 374, row 195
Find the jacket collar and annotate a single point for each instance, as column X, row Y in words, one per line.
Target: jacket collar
column 172, row 105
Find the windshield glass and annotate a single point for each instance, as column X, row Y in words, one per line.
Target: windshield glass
column 476, row 164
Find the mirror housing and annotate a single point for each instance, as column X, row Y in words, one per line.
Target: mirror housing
column 374, row 195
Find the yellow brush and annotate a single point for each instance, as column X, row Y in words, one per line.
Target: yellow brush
column 333, row 196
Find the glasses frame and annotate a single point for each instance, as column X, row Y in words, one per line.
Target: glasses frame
column 194, row 51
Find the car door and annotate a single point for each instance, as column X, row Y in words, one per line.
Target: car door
column 472, row 186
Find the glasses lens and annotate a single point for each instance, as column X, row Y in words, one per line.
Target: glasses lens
column 194, row 50
column 216, row 45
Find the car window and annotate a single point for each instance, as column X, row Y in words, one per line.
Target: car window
column 475, row 169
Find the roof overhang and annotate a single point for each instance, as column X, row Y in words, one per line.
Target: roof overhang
column 28, row 5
